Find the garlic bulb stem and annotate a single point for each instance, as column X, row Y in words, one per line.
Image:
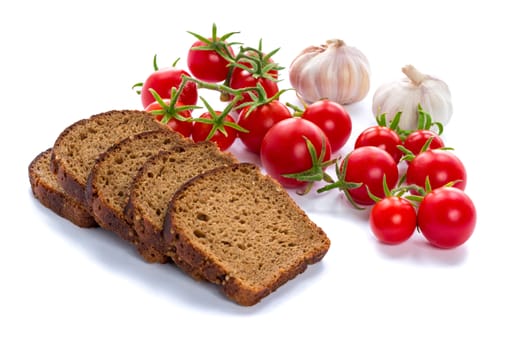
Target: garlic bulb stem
column 335, row 43
column 413, row 74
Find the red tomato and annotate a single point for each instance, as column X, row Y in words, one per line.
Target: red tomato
column 446, row 217
column 382, row 137
column 333, row 119
column 241, row 78
column 180, row 126
column 207, row 65
column 393, row 220
column 441, row 167
column 415, row 141
column 162, row 81
column 201, row 131
column 259, row 121
column 284, row 149
column 368, row 165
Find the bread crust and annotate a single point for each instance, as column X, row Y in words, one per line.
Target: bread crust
column 82, row 142
column 52, row 196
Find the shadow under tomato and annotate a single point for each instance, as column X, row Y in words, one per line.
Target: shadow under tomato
column 417, row 250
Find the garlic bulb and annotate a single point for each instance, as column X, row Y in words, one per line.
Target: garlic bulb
column 404, row 96
column 333, row 71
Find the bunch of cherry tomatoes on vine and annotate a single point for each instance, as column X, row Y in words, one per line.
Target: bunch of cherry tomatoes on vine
column 409, row 178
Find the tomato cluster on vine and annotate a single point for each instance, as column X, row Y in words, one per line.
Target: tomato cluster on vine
column 409, row 178
column 426, row 195
column 245, row 77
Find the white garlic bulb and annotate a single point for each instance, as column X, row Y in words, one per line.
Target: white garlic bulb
column 404, row 96
column 333, row 71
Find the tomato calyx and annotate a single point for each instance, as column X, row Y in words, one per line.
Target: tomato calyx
column 316, row 172
column 216, row 43
column 258, row 99
column 257, row 63
column 393, row 124
column 138, row 86
column 409, row 155
column 342, row 184
column 218, row 121
column 171, row 110
column 401, row 192
column 422, row 192
column 398, row 191
column 425, row 122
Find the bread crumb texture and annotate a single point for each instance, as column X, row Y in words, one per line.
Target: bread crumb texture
column 163, row 174
column 114, row 171
column 246, row 225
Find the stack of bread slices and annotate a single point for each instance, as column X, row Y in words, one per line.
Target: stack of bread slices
column 218, row 219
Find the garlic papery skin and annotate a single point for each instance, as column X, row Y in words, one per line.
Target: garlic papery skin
column 404, row 96
column 332, row 71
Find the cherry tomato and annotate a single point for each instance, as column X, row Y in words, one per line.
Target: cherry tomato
column 333, row 119
column 393, row 220
column 162, row 81
column 202, row 130
column 284, row 149
column 180, row 126
column 368, row 165
column 415, row 141
column 441, row 167
column 446, row 217
column 382, row 137
column 207, row 65
column 259, row 121
column 242, row 78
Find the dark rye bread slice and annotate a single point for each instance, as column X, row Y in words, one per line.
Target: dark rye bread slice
column 78, row 146
column 110, row 178
column 242, row 231
column 155, row 184
column 48, row 191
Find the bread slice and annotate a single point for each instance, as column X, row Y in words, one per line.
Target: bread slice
column 242, row 231
column 78, row 146
column 155, row 184
column 110, row 178
column 48, row 191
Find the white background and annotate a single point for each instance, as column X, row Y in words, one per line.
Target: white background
column 69, row 288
